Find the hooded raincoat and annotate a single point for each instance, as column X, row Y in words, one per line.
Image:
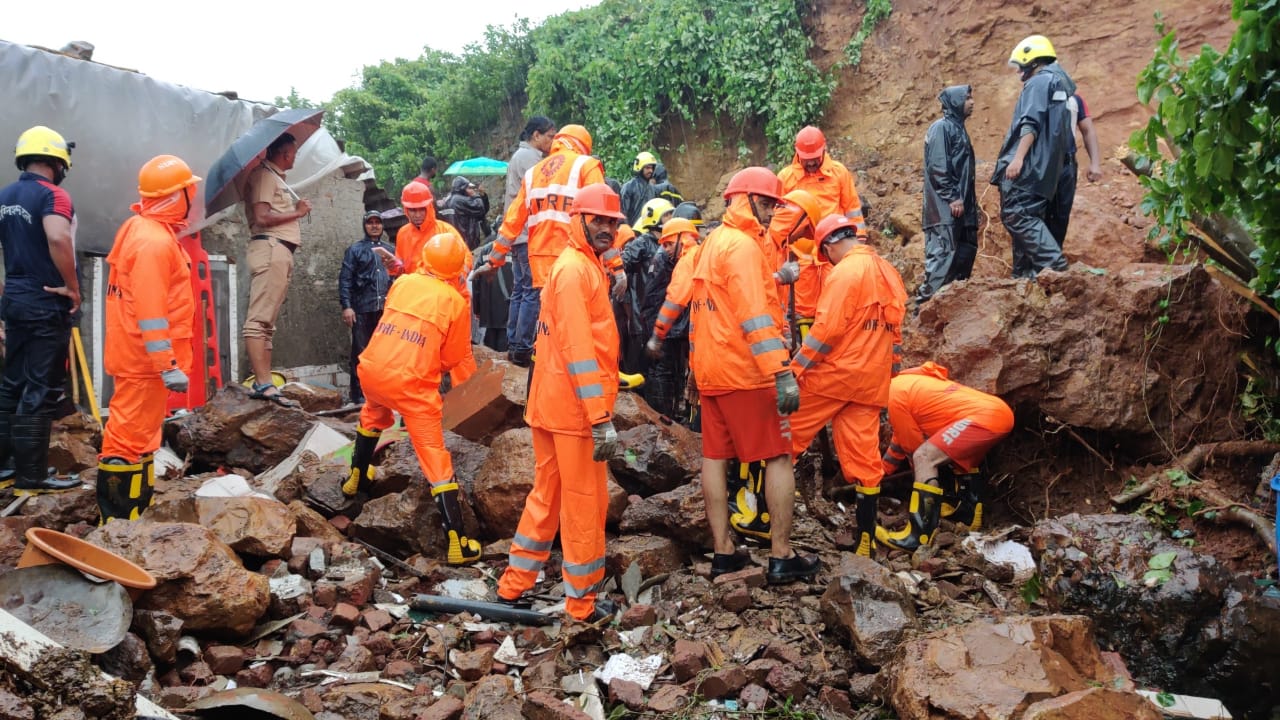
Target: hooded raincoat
column 150, row 312
column 950, row 242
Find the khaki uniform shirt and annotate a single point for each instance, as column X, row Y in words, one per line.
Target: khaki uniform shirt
column 266, row 184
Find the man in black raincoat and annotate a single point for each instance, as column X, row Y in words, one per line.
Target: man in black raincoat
column 950, row 214
column 363, row 282
column 466, row 206
column 639, row 189
column 1032, row 156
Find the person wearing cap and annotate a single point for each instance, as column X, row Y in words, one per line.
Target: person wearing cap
column 150, row 311
column 743, row 370
column 273, row 211
column 827, row 179
column 570, row 412
column 846, row 361
column 363, row 283
column 41, row 299
column 640, row 188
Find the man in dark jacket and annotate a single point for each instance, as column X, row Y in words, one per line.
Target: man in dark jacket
column 467, row 204
column 950, row 214
column 639, row 189
column 1032, row 156
column 362, row 290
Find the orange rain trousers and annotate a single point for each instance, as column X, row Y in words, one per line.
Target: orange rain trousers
column 569, row 495
column 855, row 431
column 138, row 407
column 423, row 421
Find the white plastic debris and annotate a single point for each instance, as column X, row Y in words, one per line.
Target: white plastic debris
column 464, row 589
column 640, row 672
column 508, row 655
column 1004, row 552
column 229, row 485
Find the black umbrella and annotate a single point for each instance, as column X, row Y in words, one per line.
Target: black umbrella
column 227, row 177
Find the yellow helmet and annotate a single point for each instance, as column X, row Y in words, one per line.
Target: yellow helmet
column 644, row 158
column 42, row 141
column 651, row 214
column 1032, row 48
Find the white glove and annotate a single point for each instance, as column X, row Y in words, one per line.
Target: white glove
column 788, row 273
column 604, row 441
column 654, row 347
column 175, row 380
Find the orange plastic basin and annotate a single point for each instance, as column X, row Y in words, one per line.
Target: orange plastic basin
column 46, row 547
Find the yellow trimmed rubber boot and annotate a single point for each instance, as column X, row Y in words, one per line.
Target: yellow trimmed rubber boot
column 970, row 498
column 748, row 511
column 924, row 511
column 30, row 437
column 865, row 513
column 462, row 549
column 361, row 458
column 123, row 490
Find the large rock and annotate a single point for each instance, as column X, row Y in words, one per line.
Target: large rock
column 1043, row 345
column 489, row 403
column 1199, row 630
column 656, row 458
column 653, row 553
column 73, row 446
column 234, row 430
column 398, row 466
column 59, row 510
column 868, row 605
column 313, row 398
column 250, row 525
column 504, row 480
column 13, row 541
column 200, row 580
column 405, row 522
column 679, row 514
column 1095, row 704
column 986, row 670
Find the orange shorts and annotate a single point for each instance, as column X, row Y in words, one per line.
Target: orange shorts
column 744, row 424
column 966, row 442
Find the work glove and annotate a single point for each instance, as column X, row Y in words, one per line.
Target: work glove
column 619, row 286
column 604, row 441
column 175, row 380
column 788, row 392
column 497, row 259
column 654, row 347
column 788, row 273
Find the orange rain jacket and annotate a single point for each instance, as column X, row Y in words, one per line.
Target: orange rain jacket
column 424, row 332
column 150, row 304
column 679, row 290
column 832, row 185
column 923, row 401
column 543, row 204
column 577, row 344
column 736, row 341
column 410, row 240
column 854, row 346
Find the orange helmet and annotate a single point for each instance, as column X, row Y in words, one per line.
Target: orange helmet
column 416, row 195
column 163, row 175
column 756, row 181
column 597, row 199
column 811, row 144
column 830, row 224
column 674, row 228
column 444, row 257
column 576, row 135
column 805, row 200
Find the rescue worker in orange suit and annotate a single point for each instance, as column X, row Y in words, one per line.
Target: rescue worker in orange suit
column 743, row 371
column 845, row 363
column 147, row 351
column 941, row 427
column 790, row 229
column 577, row 350
column 542, row 206
column 420, row 210
column 424, row 333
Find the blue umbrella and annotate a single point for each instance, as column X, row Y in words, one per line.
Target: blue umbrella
column 226, row 178
column 477, row 166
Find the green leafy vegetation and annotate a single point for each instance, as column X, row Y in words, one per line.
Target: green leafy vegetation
column 620, row 68
column 1213, row 142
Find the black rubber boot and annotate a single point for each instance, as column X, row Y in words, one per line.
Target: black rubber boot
column 865, row 514
column 123, row 490
column 796, row 567
column 970, row 499
column 6, row 450
column 361, row 458
column 733, row 562
column 924, row 511
column 462, row 550
column 748, row 509
column 31, row 435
